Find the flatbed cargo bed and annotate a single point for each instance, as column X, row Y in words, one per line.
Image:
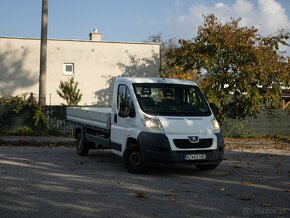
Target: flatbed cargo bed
column 92, row 116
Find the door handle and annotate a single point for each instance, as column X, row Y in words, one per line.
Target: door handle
column 115, row 118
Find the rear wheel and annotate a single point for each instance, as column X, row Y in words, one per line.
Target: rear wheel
column 206, row 167
column 82, row 147
column 134, row 161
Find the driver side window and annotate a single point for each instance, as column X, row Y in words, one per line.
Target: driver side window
column 124, row 97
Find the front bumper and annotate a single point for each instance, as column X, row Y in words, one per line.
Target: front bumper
column 155, row 148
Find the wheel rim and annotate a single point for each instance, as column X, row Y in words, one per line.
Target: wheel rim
column 135, row 158
column 79, row 143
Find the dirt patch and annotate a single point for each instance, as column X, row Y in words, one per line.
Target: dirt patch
column 242, row 144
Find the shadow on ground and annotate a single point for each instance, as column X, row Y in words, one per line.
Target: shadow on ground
column 55, row 182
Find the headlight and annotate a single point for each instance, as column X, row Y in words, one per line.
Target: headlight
column 152, row 123
column 215, row 125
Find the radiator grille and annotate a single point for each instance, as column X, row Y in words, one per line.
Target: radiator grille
column 185, row 143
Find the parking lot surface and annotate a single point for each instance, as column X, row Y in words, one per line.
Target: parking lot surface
column 56, row 182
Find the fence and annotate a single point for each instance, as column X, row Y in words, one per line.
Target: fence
column 55, row 115
column 11, row 120
column 275, row 123
column 56, row 119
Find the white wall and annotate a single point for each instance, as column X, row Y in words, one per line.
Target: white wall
column 94, row 62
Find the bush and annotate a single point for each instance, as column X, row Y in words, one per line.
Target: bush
column 26, row 131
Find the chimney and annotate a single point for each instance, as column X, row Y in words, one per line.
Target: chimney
column 95, row 36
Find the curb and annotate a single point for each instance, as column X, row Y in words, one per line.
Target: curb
column 37, row 141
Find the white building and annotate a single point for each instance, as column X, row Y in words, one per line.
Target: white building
column 92, row 63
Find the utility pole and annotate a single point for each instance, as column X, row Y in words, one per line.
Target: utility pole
column 43, row 53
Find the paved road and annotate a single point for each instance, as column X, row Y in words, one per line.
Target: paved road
column 56, row 182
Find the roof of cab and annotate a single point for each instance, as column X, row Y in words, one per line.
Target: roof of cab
column 132, row 80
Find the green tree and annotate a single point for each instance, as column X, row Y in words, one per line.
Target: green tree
column 69, row 91
column 244, row 69
column 169, row 66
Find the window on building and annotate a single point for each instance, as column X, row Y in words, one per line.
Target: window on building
column 68, row 69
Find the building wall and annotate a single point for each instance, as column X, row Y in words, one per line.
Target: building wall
column 96, row 63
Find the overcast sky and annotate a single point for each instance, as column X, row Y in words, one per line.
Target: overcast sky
column 136, row 20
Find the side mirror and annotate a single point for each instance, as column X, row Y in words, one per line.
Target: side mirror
column 214, row 108
column 124, row 109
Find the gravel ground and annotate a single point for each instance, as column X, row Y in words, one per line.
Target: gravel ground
column 56, row 182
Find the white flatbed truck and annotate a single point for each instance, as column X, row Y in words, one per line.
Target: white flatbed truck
column 152, row 120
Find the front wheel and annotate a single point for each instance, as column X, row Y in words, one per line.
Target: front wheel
column 134, row 161
column 206, row 167
column 82, row 147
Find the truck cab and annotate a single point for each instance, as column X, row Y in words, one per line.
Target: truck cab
column 153, row 120
column 164, row 121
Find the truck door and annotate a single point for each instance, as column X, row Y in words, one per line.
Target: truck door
column 120, row 127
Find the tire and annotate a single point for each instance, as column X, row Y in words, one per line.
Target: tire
column 206, row 167
column 82, row 147
column 134, row 161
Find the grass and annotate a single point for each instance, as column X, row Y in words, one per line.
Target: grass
column 27, row 131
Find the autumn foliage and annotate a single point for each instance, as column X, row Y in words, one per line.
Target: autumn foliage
column 244, row 70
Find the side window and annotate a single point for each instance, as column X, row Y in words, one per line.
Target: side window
column 124, row 96
column 121, row 95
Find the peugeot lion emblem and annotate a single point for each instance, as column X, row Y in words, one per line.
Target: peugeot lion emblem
column 193, row 139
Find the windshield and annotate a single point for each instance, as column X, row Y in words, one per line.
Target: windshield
column 171, row 99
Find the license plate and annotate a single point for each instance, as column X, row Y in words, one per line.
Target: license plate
column 194, row 156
